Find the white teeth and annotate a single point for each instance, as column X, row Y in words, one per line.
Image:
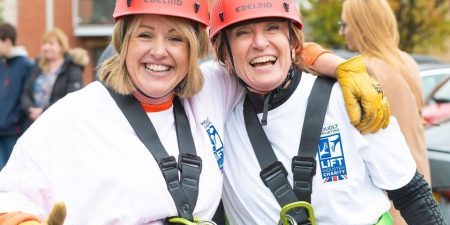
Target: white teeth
column 156, row 68
column 263, row 59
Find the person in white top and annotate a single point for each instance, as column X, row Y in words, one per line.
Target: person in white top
column 259, row 42
column 84, row 152
column 105, row 150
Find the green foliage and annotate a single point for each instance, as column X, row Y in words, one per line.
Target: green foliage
column 423, row 24
column 322, row 21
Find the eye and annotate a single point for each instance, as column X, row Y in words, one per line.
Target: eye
column 176, row 38
column 272, row 27
column 241, row 32
column 145, row 35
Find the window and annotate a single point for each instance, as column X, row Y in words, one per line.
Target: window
column 93, row 18
column 95, row 12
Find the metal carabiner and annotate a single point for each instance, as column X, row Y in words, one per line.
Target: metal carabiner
column 286, row 219
column 290, row 220
column 197, row 221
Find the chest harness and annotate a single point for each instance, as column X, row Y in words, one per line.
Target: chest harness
column 183, row 189
column 295, row 201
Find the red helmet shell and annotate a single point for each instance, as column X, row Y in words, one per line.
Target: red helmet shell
column 229, row 12
column 196, row 10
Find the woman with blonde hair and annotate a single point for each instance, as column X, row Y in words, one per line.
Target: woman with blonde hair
column 120, row 142
column 370, row 28
column 55, row 74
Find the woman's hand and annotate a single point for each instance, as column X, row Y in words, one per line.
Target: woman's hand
column 366, row 104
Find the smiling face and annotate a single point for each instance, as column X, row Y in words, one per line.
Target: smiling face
column 157, row 57
column 261, row 53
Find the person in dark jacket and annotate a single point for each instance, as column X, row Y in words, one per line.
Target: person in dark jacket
column 14, row 68
column 54, row 75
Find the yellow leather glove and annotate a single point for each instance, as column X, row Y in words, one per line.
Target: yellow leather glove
column 56, row 216
column 366, row 104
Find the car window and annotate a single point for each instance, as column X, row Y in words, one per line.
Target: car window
column 444, row 92
column 429, row 82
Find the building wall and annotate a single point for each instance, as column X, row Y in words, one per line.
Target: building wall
column 31, row 25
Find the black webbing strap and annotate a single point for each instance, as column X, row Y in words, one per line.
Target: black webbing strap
column 304, row 165
column 184, row 192
column 273, row 173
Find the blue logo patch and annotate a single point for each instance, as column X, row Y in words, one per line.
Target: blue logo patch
column 216, row 142
column 331, row 158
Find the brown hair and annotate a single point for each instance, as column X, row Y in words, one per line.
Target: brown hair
column 7, row 31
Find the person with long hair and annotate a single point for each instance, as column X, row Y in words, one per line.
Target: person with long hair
column 370, row 28
column 293, row 163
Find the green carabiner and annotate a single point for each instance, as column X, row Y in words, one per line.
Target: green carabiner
column 197, row 221
column 310, row 212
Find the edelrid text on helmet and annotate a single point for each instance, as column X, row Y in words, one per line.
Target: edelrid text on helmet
column 196, row 10
column 254, row 6
column 228, row 12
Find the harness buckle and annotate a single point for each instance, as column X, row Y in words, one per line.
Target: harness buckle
column 167, row 163
column 303, row 168
column 304, row 163
column 286, row 219
column 191, row 160
column 273, row 171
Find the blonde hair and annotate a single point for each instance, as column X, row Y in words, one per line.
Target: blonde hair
column 375, row 30
column 297, row 40
column 113, row 72
column 62, row 40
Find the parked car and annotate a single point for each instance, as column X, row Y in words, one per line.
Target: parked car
column 436, row 92
column 432, row 75
column 438, row 144
column 420, row 59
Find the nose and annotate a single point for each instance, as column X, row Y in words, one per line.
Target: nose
column 341, row 31
column 260, row 41
column 159, row 49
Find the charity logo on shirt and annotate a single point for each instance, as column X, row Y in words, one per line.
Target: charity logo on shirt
column 216, row 142
column 331, row 155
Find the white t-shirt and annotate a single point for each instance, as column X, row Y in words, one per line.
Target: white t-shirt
column 352, row 169
column 84, row 152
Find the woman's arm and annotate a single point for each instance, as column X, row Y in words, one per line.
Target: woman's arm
column 416, row 204
column 366, row 105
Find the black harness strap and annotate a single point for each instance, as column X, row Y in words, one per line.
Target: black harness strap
column 184, row 191
column 273, row 173
column 304, row 165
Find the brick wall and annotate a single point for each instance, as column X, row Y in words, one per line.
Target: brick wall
column 31, row 25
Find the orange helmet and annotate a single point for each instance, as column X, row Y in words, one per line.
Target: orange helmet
column 228, row 12
column 196, row 10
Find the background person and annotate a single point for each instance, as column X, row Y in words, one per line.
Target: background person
column 370, row 28
column 54, row 75
column 14, row 68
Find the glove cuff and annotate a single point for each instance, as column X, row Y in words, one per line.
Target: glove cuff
column 354, row 64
